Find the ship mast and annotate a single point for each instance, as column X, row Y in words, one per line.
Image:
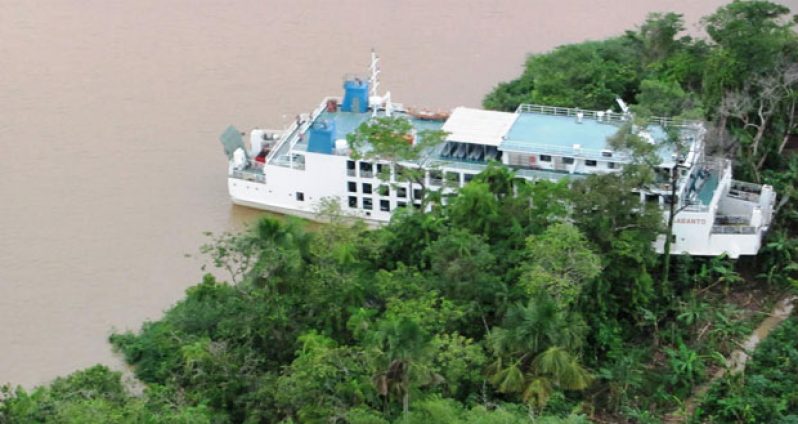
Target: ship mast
column 374, row 81
column 375, row 100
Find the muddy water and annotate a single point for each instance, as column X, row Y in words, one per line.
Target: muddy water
column 109, row 111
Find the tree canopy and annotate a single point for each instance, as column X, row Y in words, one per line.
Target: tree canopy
column 513, row 301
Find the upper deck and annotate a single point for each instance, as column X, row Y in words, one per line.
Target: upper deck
column 584, row 133
column 532, row 129
column 296, row 139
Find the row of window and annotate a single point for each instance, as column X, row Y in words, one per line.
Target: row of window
column 569, row 161
column 437, row 177
column 366, row 169
column 367, row 203
column 385, row 190
column 382, row 190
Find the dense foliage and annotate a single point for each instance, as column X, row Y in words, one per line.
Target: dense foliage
column 768, row 389
column 509, row 301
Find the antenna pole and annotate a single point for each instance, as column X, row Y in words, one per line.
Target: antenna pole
column 374, row 81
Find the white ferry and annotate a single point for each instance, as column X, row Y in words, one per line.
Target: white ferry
column 291, row 171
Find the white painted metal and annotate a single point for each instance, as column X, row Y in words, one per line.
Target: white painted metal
column 477, row 126
column 294, row 181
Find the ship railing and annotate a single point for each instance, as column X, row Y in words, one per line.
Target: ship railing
column 285, row 161
column 248, row 175
column 291, row 134
column 732, row 220
column 278, row 147
column 746, row 186
column 602, row 116
column 574, row 112
column 743, row 195
column 733, row 229
column 526, row 147
column 695, row 208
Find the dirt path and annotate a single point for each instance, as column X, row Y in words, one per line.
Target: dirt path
column 736, row 361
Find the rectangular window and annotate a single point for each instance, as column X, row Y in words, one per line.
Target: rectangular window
column 383, row 171
column 567, row 160
column 401, row 192
column 611, row 165
column 384, row 190
column 606, row 153
column 401, row 204
column 435, row 178
column 590, row 163
column 300, row 196
column 400, row 172
column 350, row 168
column 367, row 203
column 385, row 205
column 366, row 188
column 351, row 186
column 352, row 202
column 452, row 179
column 545, row 158
column 366, row 170
column 468, row 177
column 417, row 194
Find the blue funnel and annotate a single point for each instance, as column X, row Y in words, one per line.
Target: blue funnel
column 322, row 137
column 356, row 96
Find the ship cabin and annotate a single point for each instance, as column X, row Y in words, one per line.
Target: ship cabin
column 292, row 170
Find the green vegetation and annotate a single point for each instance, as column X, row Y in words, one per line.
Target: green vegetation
column 768, row 389
column 508, row 302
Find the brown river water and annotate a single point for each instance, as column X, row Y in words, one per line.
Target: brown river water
column 110, row 168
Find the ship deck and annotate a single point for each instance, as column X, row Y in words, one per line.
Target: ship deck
column 533, row 132
column 560, row 135
column 347, row 122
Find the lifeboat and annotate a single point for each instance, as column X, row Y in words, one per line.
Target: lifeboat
column 427, row 115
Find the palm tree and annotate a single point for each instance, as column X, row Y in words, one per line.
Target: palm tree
column 401, row 347
column 533, row 351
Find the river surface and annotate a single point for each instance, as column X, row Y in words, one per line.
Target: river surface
column 110, row 168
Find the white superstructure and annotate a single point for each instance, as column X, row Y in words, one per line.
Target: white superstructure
column 291, row 171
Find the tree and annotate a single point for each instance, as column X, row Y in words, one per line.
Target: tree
column 464, row 270
column 751, row 37
column 560, row 263
column 645, row 158
column 324, row 381
column 761, row 101
column 393, row 140
column 658, row 35
column 94, row 395
column 534, row 351
column 663, row 98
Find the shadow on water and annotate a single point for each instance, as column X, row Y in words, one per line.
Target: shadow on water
column 243, row 217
